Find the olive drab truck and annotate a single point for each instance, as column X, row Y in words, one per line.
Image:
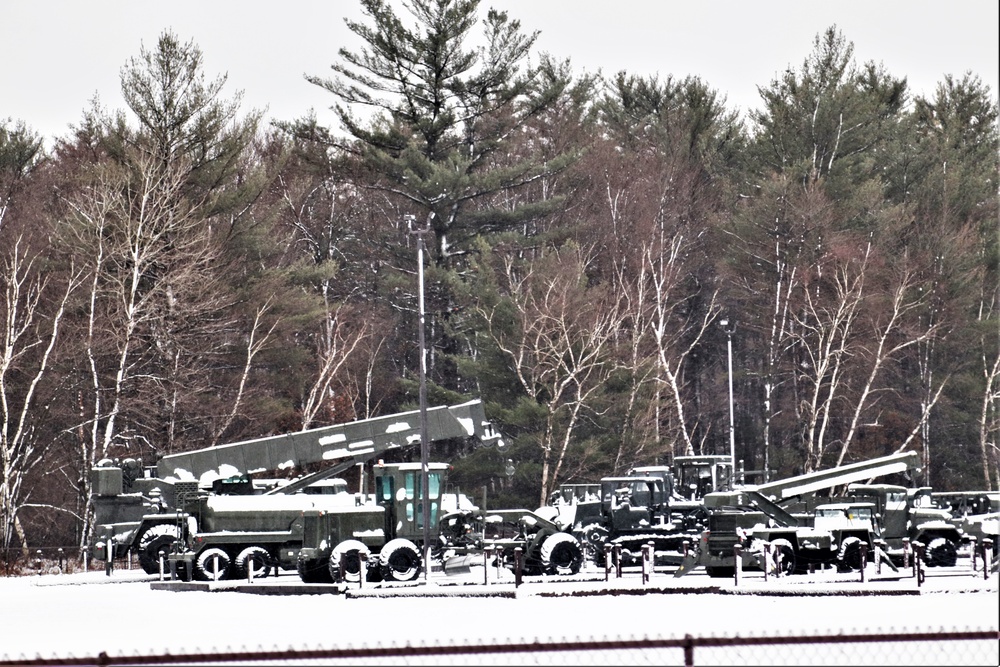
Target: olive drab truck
column 909, row 513
column 382, row 534
column 784, row 513
column 203, row 511
column 975, row 513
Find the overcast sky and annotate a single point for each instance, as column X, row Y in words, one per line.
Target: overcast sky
column 55, row 55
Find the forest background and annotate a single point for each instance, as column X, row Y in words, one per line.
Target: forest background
column 177, row 274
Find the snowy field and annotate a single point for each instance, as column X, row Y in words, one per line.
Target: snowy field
column 81, row 615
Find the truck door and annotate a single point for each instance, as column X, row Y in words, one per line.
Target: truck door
column 385, row 495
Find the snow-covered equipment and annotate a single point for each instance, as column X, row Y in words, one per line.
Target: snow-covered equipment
column 202, row 510
column 782, row 511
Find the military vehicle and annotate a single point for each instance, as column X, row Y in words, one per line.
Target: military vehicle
column 833, row 537
column 910, row 513
column 780, row 510
column 384, row 529
column 975, row 513
column 697, row 475
column 202, row 508
column 640, row 507
column 643, row 507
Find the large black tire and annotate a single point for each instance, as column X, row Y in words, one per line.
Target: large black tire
column 160, row 536
column 313, row 571
column 255, row 557
column 783, row 551
column 212, row 564
column 849, row 556
column 351, row 551
column 561, row 554
column 940, row 552
column 399, row 560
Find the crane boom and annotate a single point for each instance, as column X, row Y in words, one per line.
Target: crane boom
column 357, row 440
column 817, row 481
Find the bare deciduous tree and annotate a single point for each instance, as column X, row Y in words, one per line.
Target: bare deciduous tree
column 32, row 314
column 560, row 345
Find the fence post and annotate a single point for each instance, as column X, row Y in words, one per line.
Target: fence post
column 688, row 651
column 918, row 562
column 738, row 562
column 109, row 562
column 518, row 551
column 486, row 565
column 607, row 561
column 768, row 557
column 362, row 568
column 60, row 552
column 160, row 556
column 987, row 557
column 652, row 559
column 975, row 548
column 864, row 561
column 618, row 560
column 906, row 552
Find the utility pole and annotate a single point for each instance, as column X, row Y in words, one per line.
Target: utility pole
column 729, row 327
column 425, row 501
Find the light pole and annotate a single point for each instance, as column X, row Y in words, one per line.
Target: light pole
column 728, row 327
column 424, row 445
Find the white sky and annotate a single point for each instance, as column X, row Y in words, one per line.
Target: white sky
column 56, row 54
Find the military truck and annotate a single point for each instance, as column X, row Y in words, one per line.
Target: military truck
column 204, row 511
column 834, row 537
column 387, row 533
column 780, row 510
column 975, row 513
column 385, row 529
column 910, row 513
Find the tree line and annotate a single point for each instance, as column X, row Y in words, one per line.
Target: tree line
column 177, row 274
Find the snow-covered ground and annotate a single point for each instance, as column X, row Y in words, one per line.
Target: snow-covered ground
column 82, row 615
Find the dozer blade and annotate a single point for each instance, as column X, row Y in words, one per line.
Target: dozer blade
column 884, row 557
column 459, row 565
column 687, row 565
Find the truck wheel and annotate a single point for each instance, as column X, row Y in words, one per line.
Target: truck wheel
column 351, row 551
column 210, row 561
column 940, row 552
column 561, row 554
column 399, row 560
column 849, row 557
column 594, row 537
column 313, row 572
column 784, row 550
column 253, row 557
column 153, row 539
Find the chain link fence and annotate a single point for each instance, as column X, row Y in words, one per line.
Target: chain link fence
column 886, row 648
